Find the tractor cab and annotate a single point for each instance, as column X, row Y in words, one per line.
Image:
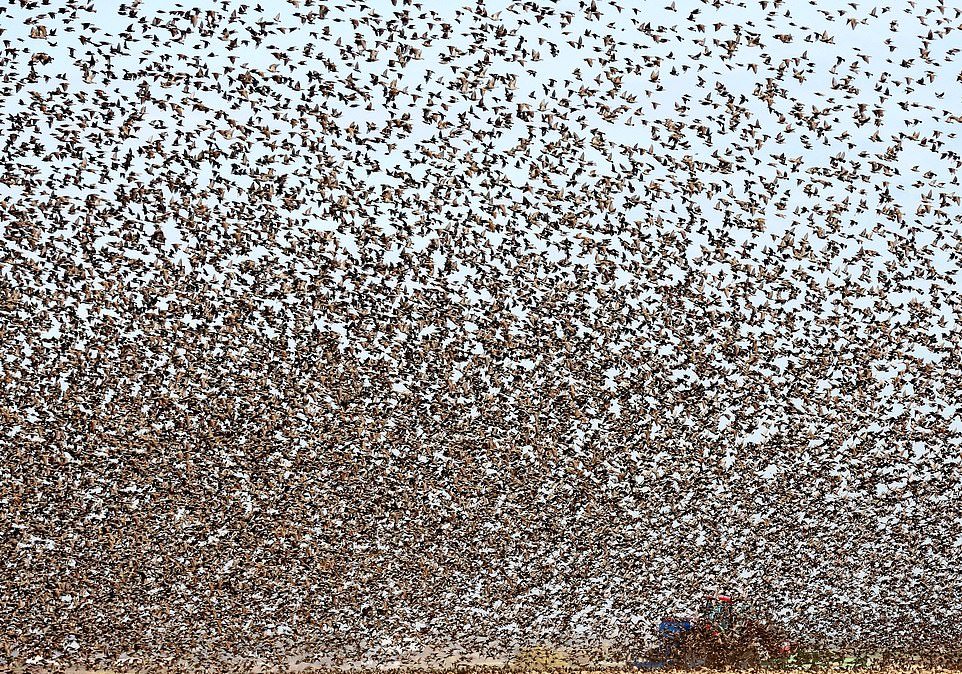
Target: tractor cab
column 718, row 612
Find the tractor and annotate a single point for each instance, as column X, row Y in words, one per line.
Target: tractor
column 718, row 637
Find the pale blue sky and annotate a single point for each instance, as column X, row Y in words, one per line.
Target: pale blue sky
column 800, row 62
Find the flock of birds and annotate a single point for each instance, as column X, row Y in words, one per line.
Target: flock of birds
column 353, row 331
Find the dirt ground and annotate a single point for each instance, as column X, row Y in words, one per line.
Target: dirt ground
column 488, row 668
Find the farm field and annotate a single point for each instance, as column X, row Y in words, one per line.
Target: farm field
column 503, row 668
column 536, row 661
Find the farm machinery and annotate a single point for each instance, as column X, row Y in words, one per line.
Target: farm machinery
column 717, row 637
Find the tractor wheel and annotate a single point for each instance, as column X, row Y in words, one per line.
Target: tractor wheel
column 749, row 658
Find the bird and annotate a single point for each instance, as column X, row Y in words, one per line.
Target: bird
column 407, row 333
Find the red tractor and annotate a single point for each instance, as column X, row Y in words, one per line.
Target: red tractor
column 717, row 637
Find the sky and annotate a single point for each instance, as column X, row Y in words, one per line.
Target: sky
column 448, row 281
